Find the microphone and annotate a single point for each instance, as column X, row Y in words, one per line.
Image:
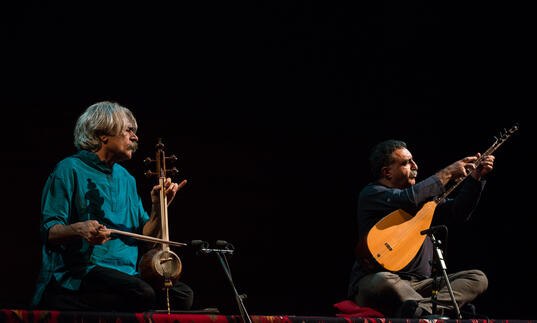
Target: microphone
column 433, row 229
column 223, row 244
column 203, row 247
column 200, row 245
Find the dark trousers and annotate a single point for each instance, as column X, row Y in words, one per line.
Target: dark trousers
column 105, row 289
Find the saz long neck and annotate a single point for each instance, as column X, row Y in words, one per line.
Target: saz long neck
column 497, row 143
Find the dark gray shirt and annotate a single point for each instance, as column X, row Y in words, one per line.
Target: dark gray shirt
column 376, row 201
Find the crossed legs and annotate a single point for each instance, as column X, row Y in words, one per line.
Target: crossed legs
column 386, row 291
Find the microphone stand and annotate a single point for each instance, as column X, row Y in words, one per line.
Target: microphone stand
column 239, row 298
column 439, row 263
column 221, row 255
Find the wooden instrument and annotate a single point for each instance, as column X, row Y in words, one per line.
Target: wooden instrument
column 396, row 239
column 160, row 266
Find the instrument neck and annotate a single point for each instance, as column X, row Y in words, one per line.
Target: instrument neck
column 459, row 180
column 489, row 151
column 164, row 213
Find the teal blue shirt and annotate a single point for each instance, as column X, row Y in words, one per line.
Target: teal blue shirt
column 81, row 188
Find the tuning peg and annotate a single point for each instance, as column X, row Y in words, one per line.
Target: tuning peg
column 172, row 171
column 148, row 161
column 159, row 144
column 150, row 173
column 172, row 158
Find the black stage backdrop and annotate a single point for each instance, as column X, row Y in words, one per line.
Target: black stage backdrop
column 272, row 108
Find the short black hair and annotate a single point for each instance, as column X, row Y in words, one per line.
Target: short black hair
column 381, row 155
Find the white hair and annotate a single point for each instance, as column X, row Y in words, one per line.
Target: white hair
column 103, row 118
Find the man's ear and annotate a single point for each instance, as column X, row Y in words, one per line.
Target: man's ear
column 386, row 172
column 104, row 139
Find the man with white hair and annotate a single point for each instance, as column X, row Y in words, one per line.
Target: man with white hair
column 83, row 268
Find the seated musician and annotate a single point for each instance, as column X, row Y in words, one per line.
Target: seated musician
column 83, row 267
column 406, row 293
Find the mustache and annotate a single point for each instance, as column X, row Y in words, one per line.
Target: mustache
column 413, row 173
column 133, row 146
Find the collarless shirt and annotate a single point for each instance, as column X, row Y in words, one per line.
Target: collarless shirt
column 81, row 188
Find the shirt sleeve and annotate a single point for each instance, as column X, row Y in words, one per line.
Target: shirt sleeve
column 413, row 196
column 461, row 207
column 56, row 201
column 144, row 217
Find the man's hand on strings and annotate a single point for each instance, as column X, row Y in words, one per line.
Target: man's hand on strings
column 171, row 189
column 457, row 170
column 485, row 166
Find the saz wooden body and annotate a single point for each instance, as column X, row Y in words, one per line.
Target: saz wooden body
column 395, row 240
